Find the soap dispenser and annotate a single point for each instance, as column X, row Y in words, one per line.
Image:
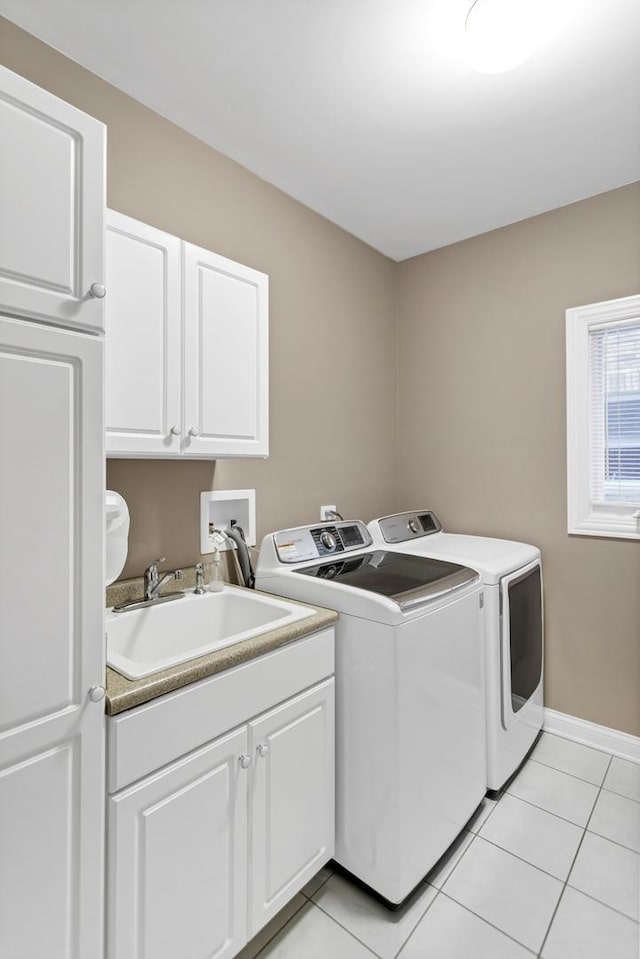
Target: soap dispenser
column 217, row 583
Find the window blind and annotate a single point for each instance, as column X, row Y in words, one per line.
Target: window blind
column 614, row 369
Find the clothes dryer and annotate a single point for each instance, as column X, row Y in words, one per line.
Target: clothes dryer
column 410, row 733
column 511, row 574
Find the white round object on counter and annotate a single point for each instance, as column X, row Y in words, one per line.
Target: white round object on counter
column 117, row 522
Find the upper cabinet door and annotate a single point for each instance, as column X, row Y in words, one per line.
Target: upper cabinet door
column 142, row 394
column 52, row 196
column 226, row 357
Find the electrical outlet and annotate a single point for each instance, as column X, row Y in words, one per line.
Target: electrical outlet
column 327, row 512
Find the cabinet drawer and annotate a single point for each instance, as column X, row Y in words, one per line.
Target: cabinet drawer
column 148, row 737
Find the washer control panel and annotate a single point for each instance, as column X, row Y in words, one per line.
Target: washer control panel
column 407, row 526
column 314, row 542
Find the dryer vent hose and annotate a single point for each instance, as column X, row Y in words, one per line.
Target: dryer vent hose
column 236, row 533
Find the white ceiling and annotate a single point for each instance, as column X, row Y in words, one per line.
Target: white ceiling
column 366, row 111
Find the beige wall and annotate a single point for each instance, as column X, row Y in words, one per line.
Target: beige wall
column 480, row 378
column 331, row 323
column 482, row 425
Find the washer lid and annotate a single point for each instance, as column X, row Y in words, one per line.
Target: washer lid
column 408, row 580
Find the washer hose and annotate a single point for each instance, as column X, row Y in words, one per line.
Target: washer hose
column 236, row 533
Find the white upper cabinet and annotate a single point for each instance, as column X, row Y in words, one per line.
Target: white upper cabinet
column 143, row 363
column 187, row 348
column 52, row 196
column 225, row 356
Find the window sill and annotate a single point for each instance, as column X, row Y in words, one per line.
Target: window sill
column 625, row 527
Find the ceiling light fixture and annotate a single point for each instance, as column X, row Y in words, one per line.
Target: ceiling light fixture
column 502, row 34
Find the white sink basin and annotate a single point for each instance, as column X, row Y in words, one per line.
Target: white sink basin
column 144, row 641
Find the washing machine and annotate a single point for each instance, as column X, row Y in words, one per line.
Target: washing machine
column 410, row 732
column 511, row 574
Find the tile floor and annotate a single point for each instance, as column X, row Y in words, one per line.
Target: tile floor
column 550, row 869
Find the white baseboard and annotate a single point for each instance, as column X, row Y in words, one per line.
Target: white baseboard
column 590, row 734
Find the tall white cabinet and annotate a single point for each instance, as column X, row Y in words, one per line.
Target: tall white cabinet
column 52, row 528
column 187, row 348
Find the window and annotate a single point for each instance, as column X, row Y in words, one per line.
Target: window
column 603, row 418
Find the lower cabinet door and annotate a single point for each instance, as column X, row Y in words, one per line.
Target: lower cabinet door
column 292, row 799
column 52, row 638
column 178, row 854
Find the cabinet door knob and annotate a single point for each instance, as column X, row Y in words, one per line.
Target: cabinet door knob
column 96, row 694
column 245, row 761
column 176, row 430
column 263, row 750
column 97, row 290
column 194, row 431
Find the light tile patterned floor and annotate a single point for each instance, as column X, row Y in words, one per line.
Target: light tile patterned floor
column 551, row 869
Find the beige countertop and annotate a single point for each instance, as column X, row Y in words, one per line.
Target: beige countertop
column 125, row 693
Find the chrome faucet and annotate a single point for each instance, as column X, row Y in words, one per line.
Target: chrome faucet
column 152, row 581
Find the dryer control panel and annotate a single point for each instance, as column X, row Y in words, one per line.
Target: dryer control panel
column 403, row 527
column 314, row 542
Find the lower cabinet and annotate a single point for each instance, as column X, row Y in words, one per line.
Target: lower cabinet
column 204, row 852
column 291, row 807
column 178, row 858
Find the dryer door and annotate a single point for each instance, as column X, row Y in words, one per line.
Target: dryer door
column 521, row 638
